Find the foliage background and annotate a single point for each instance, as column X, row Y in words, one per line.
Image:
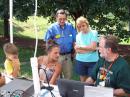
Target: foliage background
column 106, row 16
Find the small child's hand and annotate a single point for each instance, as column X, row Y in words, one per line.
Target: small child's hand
column 16, row 61
column 2, row 80
column 77, row 47
column 16, row 64
column 16, row 67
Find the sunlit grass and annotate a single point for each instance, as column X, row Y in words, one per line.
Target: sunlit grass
column 26, row 29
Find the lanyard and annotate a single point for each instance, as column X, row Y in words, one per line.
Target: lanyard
column 104, row 73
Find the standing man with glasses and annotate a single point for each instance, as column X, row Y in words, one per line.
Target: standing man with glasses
column 64, row 34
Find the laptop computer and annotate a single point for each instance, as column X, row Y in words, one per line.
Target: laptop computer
column 71, row 88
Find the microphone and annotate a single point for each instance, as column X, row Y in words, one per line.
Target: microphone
column 49, row 88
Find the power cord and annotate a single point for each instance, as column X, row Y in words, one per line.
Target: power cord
column 49, row 88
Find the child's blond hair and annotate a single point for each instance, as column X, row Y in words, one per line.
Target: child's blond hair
column 80, row 20
column 10, row 48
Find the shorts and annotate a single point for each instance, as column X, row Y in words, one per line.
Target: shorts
column 84, row 68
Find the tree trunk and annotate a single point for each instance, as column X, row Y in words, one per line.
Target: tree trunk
column 6, row 18
column 129, row 19
column 75, row 15
column 6, row 26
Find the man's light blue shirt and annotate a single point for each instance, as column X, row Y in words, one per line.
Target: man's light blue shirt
column 65, row 36
column 85, row 40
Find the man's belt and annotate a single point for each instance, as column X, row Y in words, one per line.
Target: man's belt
column 65, row 53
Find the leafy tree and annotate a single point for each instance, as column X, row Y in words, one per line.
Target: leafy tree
column 21, row 10
column 107, row 16
column 4, row 14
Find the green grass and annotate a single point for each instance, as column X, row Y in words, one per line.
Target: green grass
column 24, row 54
column 26, row 70
column 1, row 27
column 26, row 28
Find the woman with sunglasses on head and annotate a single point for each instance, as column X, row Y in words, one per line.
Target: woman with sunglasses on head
column 50, row 68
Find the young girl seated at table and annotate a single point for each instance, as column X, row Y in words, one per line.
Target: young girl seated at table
column 50, row 68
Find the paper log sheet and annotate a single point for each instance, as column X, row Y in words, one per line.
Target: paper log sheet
column 90, row 91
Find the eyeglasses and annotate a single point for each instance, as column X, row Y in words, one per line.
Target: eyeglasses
column 62, row 19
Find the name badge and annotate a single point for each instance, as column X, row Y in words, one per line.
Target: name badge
column 102, row 83
column 58, row 36
column 70, row 35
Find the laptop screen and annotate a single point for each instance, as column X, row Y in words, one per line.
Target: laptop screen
column 71, row 88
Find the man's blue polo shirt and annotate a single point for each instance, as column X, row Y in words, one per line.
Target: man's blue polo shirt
column 65, row 36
